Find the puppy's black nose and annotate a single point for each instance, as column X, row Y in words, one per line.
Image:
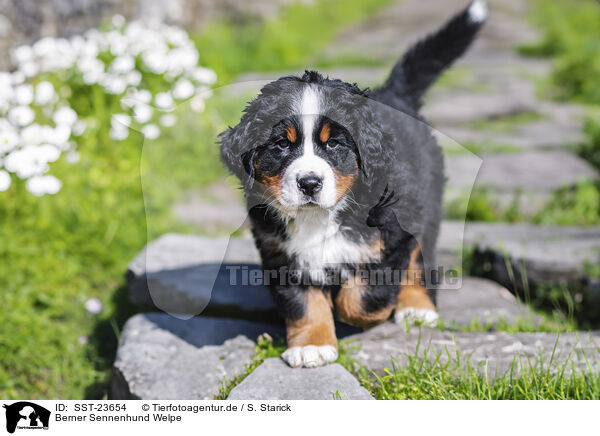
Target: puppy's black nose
column 309, row 184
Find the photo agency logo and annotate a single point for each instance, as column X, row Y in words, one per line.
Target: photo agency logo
column 26, row 416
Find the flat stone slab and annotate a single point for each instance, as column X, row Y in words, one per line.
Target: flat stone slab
column 545, row 253
column 481, row 300
column 274, row 380
column 162, row 357
column 497, row 350
column 534, row 171
column 184, row 286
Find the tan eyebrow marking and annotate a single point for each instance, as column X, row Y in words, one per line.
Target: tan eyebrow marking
column 325, row 132
column 291, row 134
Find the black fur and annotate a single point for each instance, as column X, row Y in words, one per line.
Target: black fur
column 381, row 132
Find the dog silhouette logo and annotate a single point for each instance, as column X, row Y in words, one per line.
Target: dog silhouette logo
column 26, row 415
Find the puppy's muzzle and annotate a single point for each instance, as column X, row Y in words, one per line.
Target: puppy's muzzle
column 309, row 185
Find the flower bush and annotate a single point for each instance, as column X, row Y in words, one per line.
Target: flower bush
column 126, row 76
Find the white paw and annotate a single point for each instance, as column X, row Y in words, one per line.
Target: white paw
column 310, row 356
column 426, row 317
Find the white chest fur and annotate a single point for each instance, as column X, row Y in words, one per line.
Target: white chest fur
column 315, row 241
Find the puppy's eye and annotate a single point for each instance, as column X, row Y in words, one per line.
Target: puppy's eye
column 331, row 144
column 283, row 144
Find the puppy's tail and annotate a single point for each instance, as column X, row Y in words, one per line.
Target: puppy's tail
column 422, row 64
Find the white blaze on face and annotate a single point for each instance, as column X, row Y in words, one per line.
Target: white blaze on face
column 308, row 163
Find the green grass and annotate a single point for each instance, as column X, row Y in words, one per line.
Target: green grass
column 430, row 375
column 290, row 41
column 570, row 37
column 507, row 123
column 58, row 251
column 479, row 148
column 578, row 205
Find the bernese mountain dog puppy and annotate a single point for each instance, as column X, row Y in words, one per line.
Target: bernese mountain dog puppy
column 344, row 190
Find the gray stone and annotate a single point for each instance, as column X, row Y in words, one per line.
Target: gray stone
column 537, row 135
column 482, row 300
column 180, row 283
column 216, row 209
column 546, row 253
column 162, row 357
column 536, row 171
column 274, row 380
column 497, row 350
column 184, row 274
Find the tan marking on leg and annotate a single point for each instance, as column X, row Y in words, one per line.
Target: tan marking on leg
column 412, row 292
column 316, row 327
column 349, row 305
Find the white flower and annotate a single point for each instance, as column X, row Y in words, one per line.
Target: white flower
column 59, row 136
column 17, row 77
column 32, row 134
column 134, row 78
column 197, row 104
column 44, row 93
column 204, row 75
column 73, row 156
column 120, row 120
column 48, row 152
column 142, row 113
column 168, row 120
column 118, row 20
column 155, row 61
column 40, row 185
column 79, row 127
column 22, row 54
column 114, row 84
column 24, row 94
column 122, row 64
column 21, row 115
column 183, row 89
column 164, row 101
column 64, row 116
column 9, row 139
column 29, row 69
column 151, row 131
column 4, row 180
column 25, row 162
column 118, row 132
column 93, row 305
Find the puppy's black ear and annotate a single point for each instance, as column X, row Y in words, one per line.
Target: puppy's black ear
column 370, row 150
column 248, row 165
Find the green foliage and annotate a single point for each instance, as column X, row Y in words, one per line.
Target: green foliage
column 579, row 205
column 480, row 207
column 427, row 375
column 507, row 123
column 58, row 251
column 287, row 42
column 571, row 37
column 590, row 149
column 266, row 347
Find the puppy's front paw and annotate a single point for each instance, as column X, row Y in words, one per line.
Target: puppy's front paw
column 310, row 356
column 412, row 315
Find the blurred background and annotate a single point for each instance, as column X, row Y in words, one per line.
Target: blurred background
column 92, row 91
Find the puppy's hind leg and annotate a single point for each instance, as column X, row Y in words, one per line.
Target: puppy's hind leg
column 414, row 302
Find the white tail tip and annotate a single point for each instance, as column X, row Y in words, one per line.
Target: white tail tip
column 478, row 11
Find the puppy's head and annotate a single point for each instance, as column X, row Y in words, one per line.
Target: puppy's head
column 302, row 143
